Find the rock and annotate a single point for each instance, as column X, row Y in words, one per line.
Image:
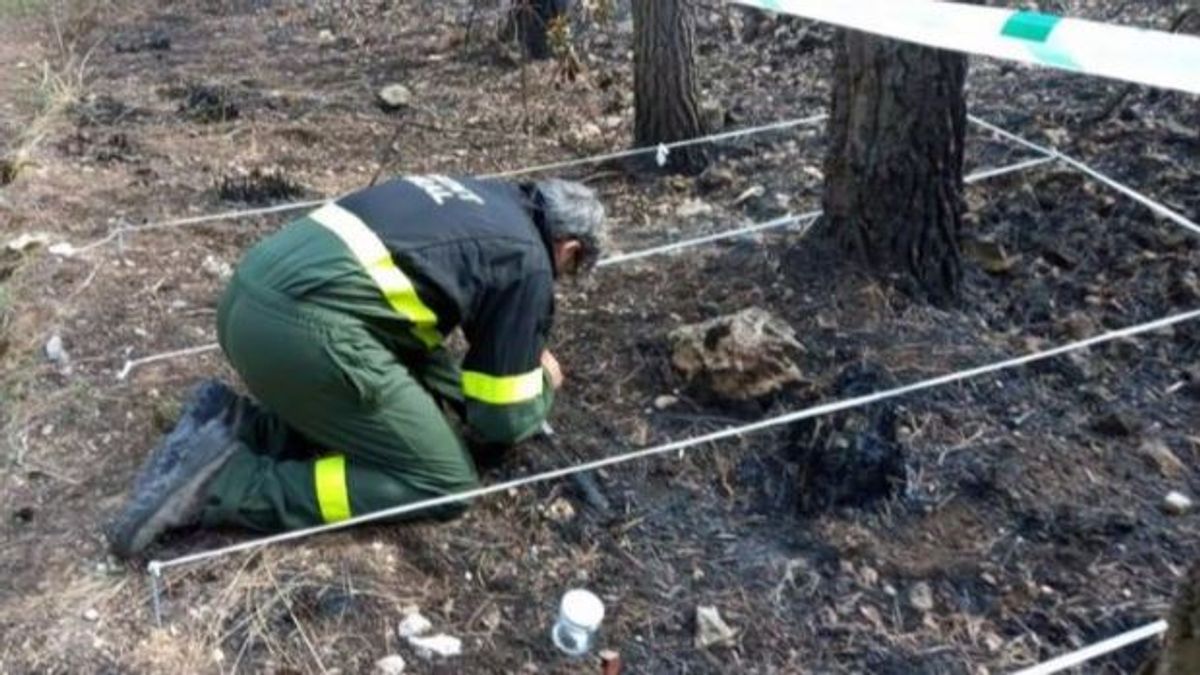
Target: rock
column 91, row 614
column 1159, row 456
column 217, row 268
column 413, row 624
column 665, row 401
column 715, row 179
column 392, row 664
column 440, row 645
column 1079, row 326
column 740, row 356
column 55, row 352
column 587, row 137
column 920, row 596
column 694, row 208
column 395, row 96
column 560, row 510
column 1176, row 503
column 711, row 629
column 326, row 37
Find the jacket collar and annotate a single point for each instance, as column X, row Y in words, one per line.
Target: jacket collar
column 536, row 206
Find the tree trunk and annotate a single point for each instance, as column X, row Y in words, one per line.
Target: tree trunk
column 1181, row 654
column 893, row 191
column 532, row 18
column 665, row 99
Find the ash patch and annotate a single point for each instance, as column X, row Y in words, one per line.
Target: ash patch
column 259, row 187
column 854, row 460
column 144, row 40
column 209, row 103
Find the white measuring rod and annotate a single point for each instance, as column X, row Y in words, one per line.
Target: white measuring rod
column 1151, row 57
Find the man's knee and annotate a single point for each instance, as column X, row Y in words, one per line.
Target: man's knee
column 401, row 491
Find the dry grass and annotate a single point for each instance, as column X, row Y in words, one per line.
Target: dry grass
column 62, row 78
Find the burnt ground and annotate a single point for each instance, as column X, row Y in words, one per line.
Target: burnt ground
column 1030, row 510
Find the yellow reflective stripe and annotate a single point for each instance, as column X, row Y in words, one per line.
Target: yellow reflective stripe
column 502, row 390
column 370, row 252
column 329, row 475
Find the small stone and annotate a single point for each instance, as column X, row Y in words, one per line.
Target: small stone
column 395, row 96
column 327, row 37
column 440, row 645
column 392, row 664
column 413, row 624
column 217, row 268
column 492, row 619
column 588, row 137
column 716, row 179
column 665, row 401
column 56, row 352
column 711, row 629
column 1079, row 326
column 560, row 510
column 91, row 614
column 920, row 596
column 1177, row 503
column 869, row 576
column 1158, row 455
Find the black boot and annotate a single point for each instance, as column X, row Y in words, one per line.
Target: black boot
column 169, row 490
column 204, row 402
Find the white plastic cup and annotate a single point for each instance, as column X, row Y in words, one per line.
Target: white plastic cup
column 579, row 617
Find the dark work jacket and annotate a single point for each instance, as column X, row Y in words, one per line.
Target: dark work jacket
column 417, row 257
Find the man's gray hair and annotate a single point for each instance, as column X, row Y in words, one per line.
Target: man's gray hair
column 572, row 211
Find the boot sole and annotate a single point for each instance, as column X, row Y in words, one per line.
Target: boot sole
column 157, row 510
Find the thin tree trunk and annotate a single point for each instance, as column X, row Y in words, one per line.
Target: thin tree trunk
column 532, row 18
column 1181, row 654
column 665, row 98
column 893, row 194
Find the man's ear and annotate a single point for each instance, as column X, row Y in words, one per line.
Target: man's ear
column 566, row 254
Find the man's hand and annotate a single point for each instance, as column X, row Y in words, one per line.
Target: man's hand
column 550, row 365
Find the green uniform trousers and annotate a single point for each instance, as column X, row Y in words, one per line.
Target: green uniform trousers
column 344, row 427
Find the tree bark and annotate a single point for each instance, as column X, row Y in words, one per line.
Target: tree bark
column 531, row 19
column 665, row 98
column 893, row 191
column 1181, row 654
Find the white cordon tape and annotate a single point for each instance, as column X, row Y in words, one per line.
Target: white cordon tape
column 1101, row 648
column 157, row 566
column 1150, row 57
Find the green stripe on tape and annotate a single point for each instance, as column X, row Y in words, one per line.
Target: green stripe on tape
column 1032, row 26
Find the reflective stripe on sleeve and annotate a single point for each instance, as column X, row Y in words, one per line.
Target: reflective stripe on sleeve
column 502, row 390
column 333, row 497
column 370, row 252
